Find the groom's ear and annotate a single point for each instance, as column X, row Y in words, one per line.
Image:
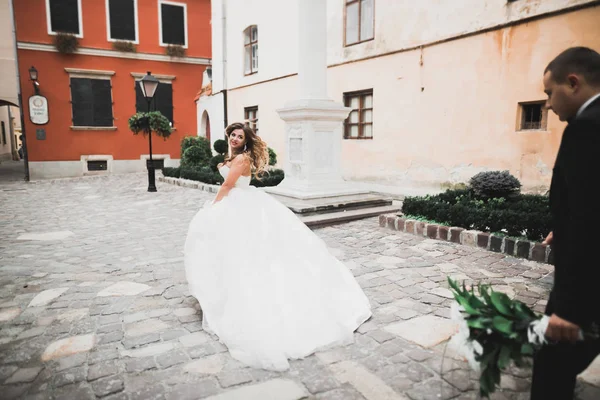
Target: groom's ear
column 574, row 81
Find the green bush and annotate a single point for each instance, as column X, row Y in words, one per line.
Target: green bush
column 215, row 161
column 171, row 172
column 195, row 156
column 495, row 184
column 272, row 157
column 221, row 146
column 270, row 178
column 202, row 174
column 197, row 141
column 518, row 215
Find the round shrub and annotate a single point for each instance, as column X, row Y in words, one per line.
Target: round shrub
column 272, row 157
column 215, row 161
column 495, row 184
column 197, row 141
column 195, row 156
column 221, row 146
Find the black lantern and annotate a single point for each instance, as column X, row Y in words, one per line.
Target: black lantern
column 33, row 73
column 148, row 84
column 33, row 76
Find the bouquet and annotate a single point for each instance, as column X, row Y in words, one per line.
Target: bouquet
column 495, row 331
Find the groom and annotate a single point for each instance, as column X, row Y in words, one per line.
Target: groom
column 572, row 83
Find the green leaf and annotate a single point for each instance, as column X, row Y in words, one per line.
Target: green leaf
column 479, row 323
column 468, row 309
column 502, row 303
column 527, row 349
column 523, row 311
column 504, row 357
column 502, row 324
column 475, row 302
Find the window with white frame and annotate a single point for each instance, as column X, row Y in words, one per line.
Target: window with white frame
column 91, row 98
column 360, row 20
column 251, row 50
column 251, row 116
column 122, row 20
column 64, row 16
column 359, row 124
column 172, row 23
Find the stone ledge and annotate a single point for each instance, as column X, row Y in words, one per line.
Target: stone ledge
column 485, row 240
column 189, row 184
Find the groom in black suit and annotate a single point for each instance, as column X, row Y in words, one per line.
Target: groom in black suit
column 572, row 83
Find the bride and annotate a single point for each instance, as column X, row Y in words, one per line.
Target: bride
column 268, row 286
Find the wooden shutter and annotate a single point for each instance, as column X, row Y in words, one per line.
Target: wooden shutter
column 173, row 24
column 64, row 16
column 91, row 102
column 103, row 116
column 122, row 19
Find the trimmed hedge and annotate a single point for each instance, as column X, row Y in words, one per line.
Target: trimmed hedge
column 202, row 174
column 171, row 172
column 270, row 178
column 207, row 175
column 518, row 215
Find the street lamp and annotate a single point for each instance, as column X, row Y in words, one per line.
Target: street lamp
column 33, row 76
column 148, row 84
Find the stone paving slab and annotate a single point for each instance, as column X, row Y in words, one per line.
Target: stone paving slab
column 104, row 311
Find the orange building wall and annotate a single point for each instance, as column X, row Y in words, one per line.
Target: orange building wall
column 30, row 17
column 64, row 144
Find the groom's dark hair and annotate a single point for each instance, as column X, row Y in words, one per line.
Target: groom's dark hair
column 576, row 60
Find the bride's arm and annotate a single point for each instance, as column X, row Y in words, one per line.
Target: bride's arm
column 239, row 166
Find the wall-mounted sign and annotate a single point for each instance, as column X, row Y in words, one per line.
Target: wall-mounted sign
column 38, row 110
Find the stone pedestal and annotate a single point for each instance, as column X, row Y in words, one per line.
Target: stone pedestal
column 313, row 123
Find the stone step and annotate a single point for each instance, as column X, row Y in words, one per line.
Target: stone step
column 345, row 216
column 307, row 207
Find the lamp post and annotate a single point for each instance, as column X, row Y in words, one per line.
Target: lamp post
column 148, row 84
column 33, row 76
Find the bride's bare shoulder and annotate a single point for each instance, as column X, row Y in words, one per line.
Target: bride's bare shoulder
column 241, row 159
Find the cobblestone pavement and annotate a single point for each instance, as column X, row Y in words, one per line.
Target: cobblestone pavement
column 93, row 304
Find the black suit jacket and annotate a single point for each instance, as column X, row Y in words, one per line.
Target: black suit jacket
column 575, row 207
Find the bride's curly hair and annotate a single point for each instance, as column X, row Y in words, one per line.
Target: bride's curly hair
column 255, row 148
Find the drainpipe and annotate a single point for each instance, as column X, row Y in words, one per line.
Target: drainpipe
column 224, row 58
column 24, row 140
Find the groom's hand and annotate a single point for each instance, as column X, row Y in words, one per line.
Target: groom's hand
column 548, row 240
column 561, row 330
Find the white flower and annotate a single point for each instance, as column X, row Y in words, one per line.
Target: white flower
column 536, row 333
column 461, row 342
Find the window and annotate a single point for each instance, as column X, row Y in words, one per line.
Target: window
column 172, row 23
column 251, row 50
column 3, row 133
column 91, row 98
column 97, row 165
column 162, row 100
column 251, row 116
column 121, row 20
column 359, row 124
column 533, row 116
column 64, row 16
column 359, row 21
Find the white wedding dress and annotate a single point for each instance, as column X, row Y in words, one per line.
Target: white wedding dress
column 267, row 285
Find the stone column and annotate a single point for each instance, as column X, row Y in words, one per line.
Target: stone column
column 313, row 123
